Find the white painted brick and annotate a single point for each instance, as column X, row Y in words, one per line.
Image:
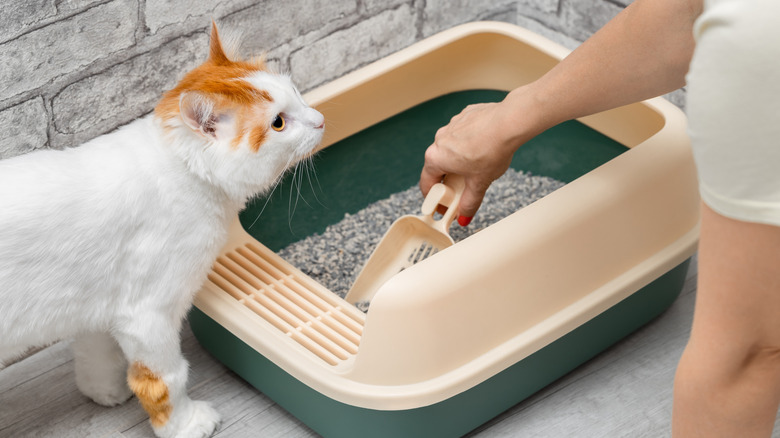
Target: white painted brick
column 374, row 6
column 24, row 128
column 20, row 16
column 124, row 92
column 582, row 19
column 267, row 25
column 347, row 49
column 553, row 35
column 546, row 6
column 64, row 6
column 530, row 11
column 38, row 57
column 16, row 15
column 505, row 15
column 162, row 13
column 678, row 97
column 443, row 14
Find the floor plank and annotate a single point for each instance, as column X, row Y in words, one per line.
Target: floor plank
column 625, row 391
column 48, row 404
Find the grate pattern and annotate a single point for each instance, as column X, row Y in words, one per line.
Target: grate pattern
column 421, row 253
column 295, row 304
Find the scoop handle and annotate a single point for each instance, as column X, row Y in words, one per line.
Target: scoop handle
column 446, row 193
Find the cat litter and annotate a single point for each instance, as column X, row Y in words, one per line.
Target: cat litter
column 335, row 257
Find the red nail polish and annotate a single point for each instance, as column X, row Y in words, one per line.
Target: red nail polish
column 463, row 220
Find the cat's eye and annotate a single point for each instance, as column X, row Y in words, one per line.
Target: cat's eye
column 278, row 123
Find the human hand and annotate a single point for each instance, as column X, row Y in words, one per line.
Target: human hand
column 478, row 144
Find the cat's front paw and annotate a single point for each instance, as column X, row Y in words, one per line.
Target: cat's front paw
column 202, row 422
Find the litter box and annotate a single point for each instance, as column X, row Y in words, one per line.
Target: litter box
column 458, row 338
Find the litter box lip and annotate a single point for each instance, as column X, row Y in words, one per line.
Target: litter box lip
column 602, row 122
column 664, row 141
column 422, row 48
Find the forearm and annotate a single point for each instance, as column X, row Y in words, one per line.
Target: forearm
column 642, row 53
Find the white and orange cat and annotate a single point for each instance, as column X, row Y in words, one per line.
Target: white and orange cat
column 108, row 242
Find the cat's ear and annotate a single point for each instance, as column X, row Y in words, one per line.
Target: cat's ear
column 202, row 115
column 216, row 51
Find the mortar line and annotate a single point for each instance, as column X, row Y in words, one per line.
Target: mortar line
column 55, row 19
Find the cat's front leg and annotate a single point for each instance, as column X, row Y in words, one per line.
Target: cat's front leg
column 101, row 369
column 158, row 376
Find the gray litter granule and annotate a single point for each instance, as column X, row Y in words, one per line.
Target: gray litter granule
column 335, row 257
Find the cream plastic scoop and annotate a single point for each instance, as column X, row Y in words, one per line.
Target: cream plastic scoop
column 410, row 239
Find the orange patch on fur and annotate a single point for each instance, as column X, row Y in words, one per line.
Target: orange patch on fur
column 152, row 392
column 223, row 81
column 256, row 138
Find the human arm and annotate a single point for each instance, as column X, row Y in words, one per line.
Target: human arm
column 641, row 53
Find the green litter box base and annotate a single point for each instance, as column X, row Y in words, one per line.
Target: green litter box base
column 457, row 415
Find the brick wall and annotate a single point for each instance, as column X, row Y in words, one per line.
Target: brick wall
column 71, row 70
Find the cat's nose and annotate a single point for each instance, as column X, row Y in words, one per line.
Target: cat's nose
column 316, row 118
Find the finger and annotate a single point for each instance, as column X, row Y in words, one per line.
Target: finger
column 430, row 173
column 428, row 178
column 470, row 201
column 440, row 133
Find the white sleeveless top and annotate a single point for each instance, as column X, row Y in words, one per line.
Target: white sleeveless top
column 734, row 108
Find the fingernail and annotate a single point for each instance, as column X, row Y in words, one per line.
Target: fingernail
column 463, row 220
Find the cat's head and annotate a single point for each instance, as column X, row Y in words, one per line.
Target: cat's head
column 238, row 124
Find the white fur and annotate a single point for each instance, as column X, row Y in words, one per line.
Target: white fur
column 108, row 242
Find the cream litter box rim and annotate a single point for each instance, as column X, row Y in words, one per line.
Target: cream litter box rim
column 618, row 227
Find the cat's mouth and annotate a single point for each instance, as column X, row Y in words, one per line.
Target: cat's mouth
column 309, row 146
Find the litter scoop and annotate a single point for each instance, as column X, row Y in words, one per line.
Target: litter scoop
column 410, row 240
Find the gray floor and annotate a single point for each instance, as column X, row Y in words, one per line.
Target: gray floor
column 624, row 392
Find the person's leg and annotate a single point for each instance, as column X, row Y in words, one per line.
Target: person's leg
column 728, row 380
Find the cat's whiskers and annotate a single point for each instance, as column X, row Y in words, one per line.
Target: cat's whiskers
column 268, row 198
column 305, row 170
column 309, row 168
column 295, row 181
column 277, row 182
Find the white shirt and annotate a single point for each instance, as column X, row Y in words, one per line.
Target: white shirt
column 734, row 108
